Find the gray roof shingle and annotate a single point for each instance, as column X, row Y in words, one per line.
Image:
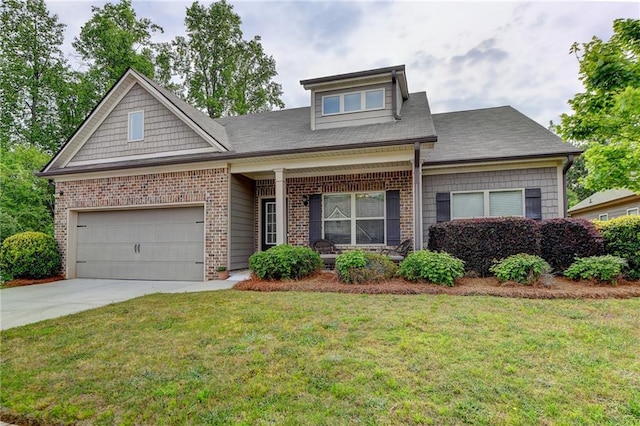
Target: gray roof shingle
column 289, row 129
column 492, row 133
column 602, row 197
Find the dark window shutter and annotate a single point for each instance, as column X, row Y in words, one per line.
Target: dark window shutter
column 315, row 217
column 443, row 206
column 393, row 218
column 533, row 203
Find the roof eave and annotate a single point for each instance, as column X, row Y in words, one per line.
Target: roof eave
column 233, row 156
column 490, row 159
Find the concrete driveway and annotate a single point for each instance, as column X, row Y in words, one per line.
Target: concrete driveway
column 29, row 304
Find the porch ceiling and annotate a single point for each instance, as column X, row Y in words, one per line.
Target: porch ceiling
column 334, row 170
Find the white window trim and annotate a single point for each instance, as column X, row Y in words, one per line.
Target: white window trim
column 486, row 204
column 603, row 216
column 353, row 217
column 363, row 106
column 129, row 126
column 635, row 210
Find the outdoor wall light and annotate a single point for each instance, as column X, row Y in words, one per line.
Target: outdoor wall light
column 305, row 200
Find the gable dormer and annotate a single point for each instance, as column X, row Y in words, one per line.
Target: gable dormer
column 354, row 99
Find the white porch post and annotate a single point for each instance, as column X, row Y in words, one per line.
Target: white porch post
column 281, row 207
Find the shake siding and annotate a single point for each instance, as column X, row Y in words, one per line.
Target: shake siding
column 242, row 222
column 545, row 178
column 354, row 118
column 163, row 130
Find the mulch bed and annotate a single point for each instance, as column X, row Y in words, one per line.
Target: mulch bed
column 548, row 287
column 28, row 281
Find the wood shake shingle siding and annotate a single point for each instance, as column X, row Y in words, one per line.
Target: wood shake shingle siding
column 242, row 222
column 354, row 118
column 163, row 131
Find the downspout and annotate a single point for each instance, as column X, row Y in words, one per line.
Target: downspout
column 565, row 169
column 417, row 198
column 394, row 97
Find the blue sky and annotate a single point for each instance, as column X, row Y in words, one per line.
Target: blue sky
column 465, row 55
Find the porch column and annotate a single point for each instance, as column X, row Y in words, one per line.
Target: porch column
column 417, row 198
column 281, row 207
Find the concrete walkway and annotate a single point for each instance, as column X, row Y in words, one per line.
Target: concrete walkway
column 29, row 304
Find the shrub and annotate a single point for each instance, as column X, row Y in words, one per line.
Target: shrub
column 622, row 238
column 521, row 268
column 562, row 240
column 285, row 262
column 602, row 268
column 478, row 242
column 29, row 255
column 435, row 267
column 359, row 267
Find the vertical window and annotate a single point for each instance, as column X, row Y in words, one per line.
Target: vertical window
column 136, row 126
column 331, row 105
column 352, row 102
column 374, row 99
column 354, row 218
column 270, row 222
column 505, row 203
column 603, row 216
column 467, row 204
column 633, row 211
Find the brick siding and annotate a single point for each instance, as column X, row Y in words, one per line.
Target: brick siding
column 208, row 186
column 298, row 221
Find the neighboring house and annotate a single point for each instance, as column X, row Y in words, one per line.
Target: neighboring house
column 150, row 188
column 605, row 205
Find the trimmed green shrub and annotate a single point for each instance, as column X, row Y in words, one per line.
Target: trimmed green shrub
column 562, row 240
column 29, row 255
column 285, row 262
column 435, row 267
column 522, row 268
column 602, row 268
column 359, row 267
column 478, row 242
column 622, row 238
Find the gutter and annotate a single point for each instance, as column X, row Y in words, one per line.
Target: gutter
column 394, row 101
column 565, row 169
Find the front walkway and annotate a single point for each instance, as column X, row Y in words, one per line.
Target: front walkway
column 29, row 304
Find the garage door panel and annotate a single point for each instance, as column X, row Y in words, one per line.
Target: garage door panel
column 155, row 244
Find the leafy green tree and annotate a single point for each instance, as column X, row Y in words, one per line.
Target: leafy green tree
column 606, row 115
column 222, row 73
column 113, row 40
column 26, row 201
column 33, row 75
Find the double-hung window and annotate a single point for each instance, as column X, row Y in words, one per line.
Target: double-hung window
column 136, row 126
column 357, row 218
column 353, row 102
column 633, row 211
column 487, row 203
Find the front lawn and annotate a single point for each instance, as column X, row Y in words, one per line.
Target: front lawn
column 234, row 357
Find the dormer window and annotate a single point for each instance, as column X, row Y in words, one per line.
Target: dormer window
column 136, row 126
column 353, row 102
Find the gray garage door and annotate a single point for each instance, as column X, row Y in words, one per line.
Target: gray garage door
column 158, row 244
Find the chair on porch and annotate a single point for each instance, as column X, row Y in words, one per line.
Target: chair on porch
column 328, row 252
column 397, row 254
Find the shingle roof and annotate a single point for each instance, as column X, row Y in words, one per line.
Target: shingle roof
column 289, row 129
column 602, row 197
column 491, row 134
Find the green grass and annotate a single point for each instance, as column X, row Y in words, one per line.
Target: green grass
column 304, row 358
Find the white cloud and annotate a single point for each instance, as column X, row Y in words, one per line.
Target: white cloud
column 465, row 55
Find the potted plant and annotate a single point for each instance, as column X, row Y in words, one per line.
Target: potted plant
column 223, row 274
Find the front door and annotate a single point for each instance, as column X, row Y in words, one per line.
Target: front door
column 268, row 223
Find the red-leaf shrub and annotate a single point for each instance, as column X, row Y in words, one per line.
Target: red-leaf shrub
column 478, row 242
column 562, row 240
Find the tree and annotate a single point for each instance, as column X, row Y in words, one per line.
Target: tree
column 222, row 73
column 113, row 40
column 606, row 115
column 26, row 201
column 32, row 76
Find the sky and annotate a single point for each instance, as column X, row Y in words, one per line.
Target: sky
column 465, row 55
